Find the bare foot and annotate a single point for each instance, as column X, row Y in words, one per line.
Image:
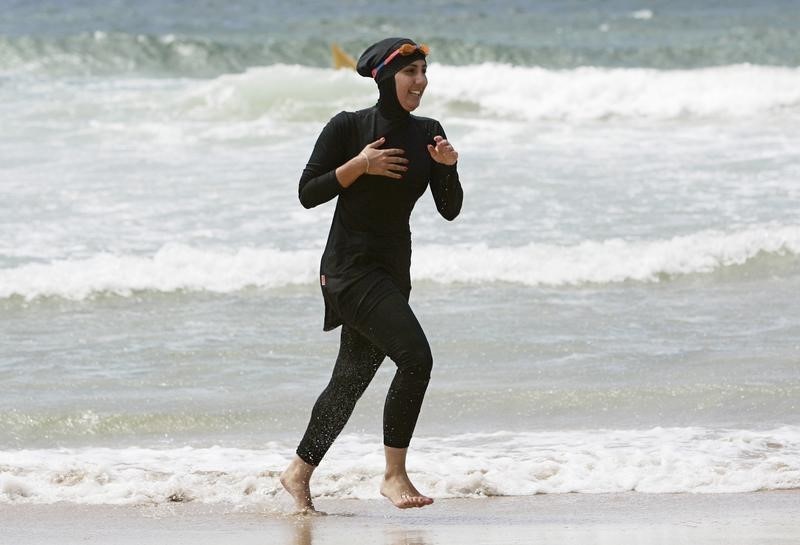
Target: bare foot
column 399, row 490
column 310, row 512
column 295, row 479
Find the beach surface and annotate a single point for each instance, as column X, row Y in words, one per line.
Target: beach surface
column 753, row 518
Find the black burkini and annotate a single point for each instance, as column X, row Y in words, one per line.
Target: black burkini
column 364, row 273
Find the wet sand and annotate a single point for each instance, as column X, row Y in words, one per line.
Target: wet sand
column 753, row 518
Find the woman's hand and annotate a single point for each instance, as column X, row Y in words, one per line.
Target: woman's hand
column 443, row 152
column 383, row 162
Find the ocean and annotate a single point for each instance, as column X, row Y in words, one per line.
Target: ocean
column 615, row 309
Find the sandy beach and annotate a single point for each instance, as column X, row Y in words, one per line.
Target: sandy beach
column 754, row 518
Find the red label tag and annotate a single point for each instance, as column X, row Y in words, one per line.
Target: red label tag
column 322, row 279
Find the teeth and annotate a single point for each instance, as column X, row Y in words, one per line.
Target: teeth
column 416, row 93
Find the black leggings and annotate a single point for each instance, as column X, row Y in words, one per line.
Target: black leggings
column 390, row 328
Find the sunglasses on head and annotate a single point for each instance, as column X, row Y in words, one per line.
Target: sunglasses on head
column 404, row 50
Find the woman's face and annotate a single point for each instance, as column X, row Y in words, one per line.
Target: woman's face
column 410, row 83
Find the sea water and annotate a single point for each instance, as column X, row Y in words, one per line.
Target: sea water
column 616, row 307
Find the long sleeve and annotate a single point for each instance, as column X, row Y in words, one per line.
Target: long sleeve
column 446, row 187
column 318, row 183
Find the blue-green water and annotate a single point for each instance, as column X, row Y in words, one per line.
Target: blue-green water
column 214, row 37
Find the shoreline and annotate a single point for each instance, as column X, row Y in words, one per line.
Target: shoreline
column 769, row 517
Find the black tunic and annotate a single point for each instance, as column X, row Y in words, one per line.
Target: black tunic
column 370, row 236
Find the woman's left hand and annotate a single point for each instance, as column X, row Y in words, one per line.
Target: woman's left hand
column 443, row 152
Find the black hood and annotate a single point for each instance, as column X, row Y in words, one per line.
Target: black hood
column 373, row 56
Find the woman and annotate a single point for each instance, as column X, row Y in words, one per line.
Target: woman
column 377, row 162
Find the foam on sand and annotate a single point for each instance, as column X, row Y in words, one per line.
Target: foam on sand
column 657, row 460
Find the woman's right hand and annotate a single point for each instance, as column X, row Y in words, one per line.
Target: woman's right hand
column 383, row 162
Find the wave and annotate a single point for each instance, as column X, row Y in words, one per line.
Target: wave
column 658, row 460
column 113, row 52
column 606, row 262
column 488, row 91
column 515, row 92
column 104, row 53
column 599, row 93
column 174, row 267
column 177, row 267
column 285, row 91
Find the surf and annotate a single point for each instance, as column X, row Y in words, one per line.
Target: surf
column 179, row 267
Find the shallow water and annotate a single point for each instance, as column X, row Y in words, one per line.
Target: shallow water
column 621, row 282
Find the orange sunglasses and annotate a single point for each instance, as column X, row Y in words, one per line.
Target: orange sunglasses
column 404, row 50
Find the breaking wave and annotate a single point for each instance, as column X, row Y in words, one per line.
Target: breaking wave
column 657, row 460
column 513, row 92
column 177, row 267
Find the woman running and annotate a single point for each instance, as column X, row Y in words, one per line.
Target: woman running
column 377, row 162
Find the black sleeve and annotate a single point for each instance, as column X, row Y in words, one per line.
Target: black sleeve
column 318, row 184
column 445, row 186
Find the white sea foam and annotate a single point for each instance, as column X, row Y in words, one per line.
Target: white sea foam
column 658, row 460
column 277, row 91
column 174, row 267
column 590, row 93
column 513, row 92
column 644, row 14
column 178, row 267
column 608, row 261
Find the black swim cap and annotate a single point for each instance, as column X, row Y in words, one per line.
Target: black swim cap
column 377, row 53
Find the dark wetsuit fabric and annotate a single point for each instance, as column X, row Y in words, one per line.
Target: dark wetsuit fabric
column 364, row 273
column 370, row 228
column 389, row 328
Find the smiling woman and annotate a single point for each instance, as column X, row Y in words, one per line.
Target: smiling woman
column 411, row 82
column 377, row 162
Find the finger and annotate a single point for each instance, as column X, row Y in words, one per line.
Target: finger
column 433, row 151
column 396, row 168
column 377, row 142
column 396, row 160
column 393, row 151
column 390, row 174
column 438, row 138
